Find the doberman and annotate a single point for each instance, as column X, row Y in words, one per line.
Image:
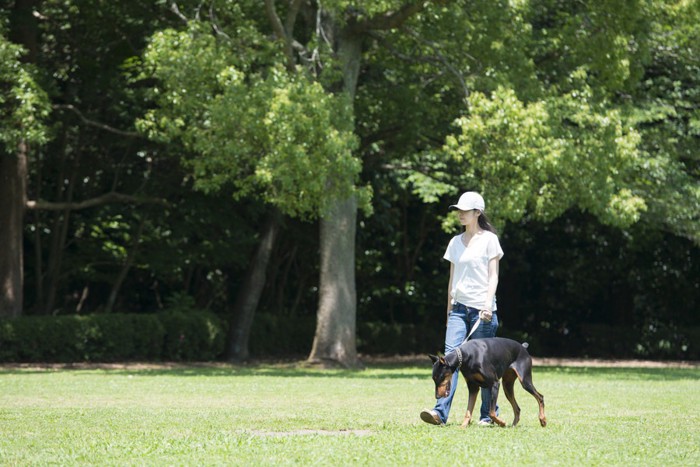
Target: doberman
column 483, row 362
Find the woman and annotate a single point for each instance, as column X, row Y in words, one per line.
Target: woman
column 471, row 293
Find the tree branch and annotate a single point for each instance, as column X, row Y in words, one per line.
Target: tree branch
column 438, row 58
column 215, row 27
column 176, row 10
column 107, row 198
column 280, row 32
column 102, row 126
column 294, row 6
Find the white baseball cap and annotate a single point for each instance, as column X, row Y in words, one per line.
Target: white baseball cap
column 470, row 200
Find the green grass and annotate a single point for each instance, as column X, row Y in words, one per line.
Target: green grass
column 272, row 415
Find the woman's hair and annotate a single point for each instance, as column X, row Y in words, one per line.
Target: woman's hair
column 485, row 224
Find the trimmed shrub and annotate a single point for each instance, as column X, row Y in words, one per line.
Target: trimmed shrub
column 118, row 337
column 111, row 337
column 281, row 335
column 177, row 335
column 35, row 339
column 192, row 336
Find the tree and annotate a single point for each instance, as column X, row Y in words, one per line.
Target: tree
column 567, row 132
column 663, row 107
column 556, row 127
column 550, row 108
column 331, row 54
column 548, row 156
column 74, row 78
column 250, row 123
column 22, row 126
column 341, row 31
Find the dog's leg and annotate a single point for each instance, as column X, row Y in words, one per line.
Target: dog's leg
column 509, row 378
column 523, row 366
column 526, row 381
column 473, row 392
column 492, row 408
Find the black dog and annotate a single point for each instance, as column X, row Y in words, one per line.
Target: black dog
column 483, row 362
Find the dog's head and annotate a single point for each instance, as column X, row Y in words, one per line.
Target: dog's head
column 442, row 375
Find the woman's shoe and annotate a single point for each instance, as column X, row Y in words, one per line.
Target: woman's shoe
column 431, row 416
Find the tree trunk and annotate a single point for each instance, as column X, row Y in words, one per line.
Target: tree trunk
column 249, row 295
column 124, row 271
column 59, row 235
column 13, row 189
column 13, row 181
column 334, row 340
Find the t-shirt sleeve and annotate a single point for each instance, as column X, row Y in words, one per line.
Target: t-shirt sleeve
column 448, row 252
column 494, row 249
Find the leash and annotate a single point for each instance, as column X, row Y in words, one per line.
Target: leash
column 474, row 328
column 458, row 350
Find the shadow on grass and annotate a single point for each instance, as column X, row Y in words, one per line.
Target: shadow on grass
column 626, row 373
column 377, row 371
column 233, row 371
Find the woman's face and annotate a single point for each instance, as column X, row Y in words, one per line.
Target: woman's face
column 467, row 218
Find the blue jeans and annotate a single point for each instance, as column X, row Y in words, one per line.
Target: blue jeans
column 459, row 323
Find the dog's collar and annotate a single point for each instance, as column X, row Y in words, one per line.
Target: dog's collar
column 459, row 357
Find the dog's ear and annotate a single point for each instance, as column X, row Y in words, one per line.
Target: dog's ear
column 434, row 358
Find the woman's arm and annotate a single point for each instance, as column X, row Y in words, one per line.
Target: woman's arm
column 449, row 290
column 493, row 285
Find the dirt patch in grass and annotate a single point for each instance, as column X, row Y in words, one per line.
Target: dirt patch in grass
column 310, row 433
column 543, row 361
column 602, row 363
column 367, row 360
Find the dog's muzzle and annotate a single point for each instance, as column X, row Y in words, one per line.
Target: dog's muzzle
column 443, row 389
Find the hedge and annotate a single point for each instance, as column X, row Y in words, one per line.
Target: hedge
column 171, row 336
column 292, row 336
column 179, row 335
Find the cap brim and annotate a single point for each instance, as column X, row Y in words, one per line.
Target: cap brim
column 463, row 208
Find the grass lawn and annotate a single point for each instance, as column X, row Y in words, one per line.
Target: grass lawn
column 272, row 415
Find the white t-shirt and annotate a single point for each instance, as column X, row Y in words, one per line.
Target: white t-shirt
column 470, row 279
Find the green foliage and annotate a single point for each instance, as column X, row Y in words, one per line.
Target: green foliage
column 111, row 337
column 192, row 336
column 665, row 107
column 608, row 39
column 269, row 133
column 661, row 339
column 375, row 337
column 25, row 105
column 561, row 92
column 282, row 335
column 544, row 157
column 288, row 336
column 41, row 339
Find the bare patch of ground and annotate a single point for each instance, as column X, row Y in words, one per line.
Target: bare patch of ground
column 275, row 434
column 545, row 361
column 367, row 360
column 602, row 363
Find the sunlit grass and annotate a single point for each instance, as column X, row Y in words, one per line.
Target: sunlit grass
column 273, row 415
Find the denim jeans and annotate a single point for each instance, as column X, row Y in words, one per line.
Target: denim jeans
column 459, row 323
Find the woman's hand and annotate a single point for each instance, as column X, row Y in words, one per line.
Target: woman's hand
column 486, row 315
